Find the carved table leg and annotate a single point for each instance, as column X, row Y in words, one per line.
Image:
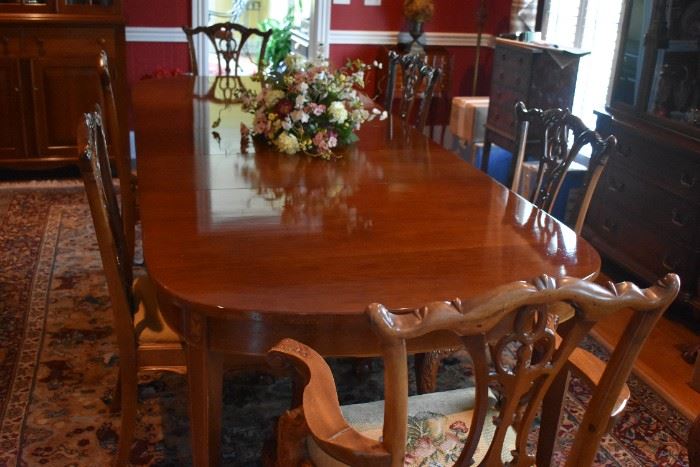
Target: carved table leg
column 205, row 384
column 694, row 444
column 426, row 366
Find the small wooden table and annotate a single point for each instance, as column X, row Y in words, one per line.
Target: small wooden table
column 248, row 247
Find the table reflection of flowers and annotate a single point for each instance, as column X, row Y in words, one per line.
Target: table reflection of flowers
column 312, row 194
column 310, row 108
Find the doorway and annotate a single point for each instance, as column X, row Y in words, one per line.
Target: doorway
column 310, row 25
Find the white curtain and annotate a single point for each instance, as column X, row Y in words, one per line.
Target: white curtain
column 591, row 25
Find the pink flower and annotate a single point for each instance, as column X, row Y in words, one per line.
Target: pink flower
column 460, row 426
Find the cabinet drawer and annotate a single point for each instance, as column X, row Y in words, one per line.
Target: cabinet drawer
column 512, row 68
column 642, row 243
column 674, row 216
column 502, row 109
column 67, row 42
column 10, row 40
column 673, row 169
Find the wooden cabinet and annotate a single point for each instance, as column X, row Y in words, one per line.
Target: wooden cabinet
column 541, row 77
column 48, row 75
column 645, row 215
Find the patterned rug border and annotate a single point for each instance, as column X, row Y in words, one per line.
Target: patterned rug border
column 28, row 362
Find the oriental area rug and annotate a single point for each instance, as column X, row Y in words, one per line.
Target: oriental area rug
column 58, row 363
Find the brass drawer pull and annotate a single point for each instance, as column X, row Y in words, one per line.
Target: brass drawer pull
column 609, row 225
column 679, row 219
column 688, row 180
column 670, row 264
column 614, row 185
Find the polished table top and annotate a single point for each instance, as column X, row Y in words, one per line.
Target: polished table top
column 248, row 246
column 246, row 233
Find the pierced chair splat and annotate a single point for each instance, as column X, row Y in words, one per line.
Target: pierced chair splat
column 229, row 41
column 418, row 82
column 562, row 136
column 144, row 340
column 511, row 336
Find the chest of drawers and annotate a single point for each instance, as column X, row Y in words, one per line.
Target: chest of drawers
column 645, row 214
column 540, row 77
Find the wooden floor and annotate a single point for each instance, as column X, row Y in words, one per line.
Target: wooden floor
column 660, row 363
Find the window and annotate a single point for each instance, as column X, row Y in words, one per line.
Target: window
column 592, row 25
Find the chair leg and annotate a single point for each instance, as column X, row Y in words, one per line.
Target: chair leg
column 549, row 426
column 129, row 404
column 116, row 405
column 694, row 444
column 291, row 438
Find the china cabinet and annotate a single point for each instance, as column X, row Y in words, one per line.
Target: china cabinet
column 646, row 213
column 48, row 75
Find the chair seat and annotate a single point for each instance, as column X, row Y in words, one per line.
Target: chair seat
column 148, row 322
column 438, row 427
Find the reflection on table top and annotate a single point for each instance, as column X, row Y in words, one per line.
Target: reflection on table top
column 240, row 229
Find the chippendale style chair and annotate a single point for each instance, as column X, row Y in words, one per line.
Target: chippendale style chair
column 144, row 340
column 511, row 336
column 556, row 129
column 228, row 40
column 127, row 177
column 417, row 80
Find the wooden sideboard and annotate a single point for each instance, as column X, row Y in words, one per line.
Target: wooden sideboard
column 48, row 75
column 645, row 215
column 542, row 77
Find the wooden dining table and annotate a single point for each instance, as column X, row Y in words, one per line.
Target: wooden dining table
column 247, row 246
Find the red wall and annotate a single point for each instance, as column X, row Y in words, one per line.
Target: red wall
column 447, row 18
column 144, row 58
column 450, row 16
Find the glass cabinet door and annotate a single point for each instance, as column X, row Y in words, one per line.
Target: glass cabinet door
column 89, row 6
column 630, row 61
column 27, row 6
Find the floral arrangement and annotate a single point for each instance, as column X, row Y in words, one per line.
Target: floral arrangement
column 309, row 108
column 418, row 10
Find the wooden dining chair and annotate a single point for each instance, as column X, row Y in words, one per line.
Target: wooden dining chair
column 418, row 81
column 562, row 136
column 511, row 336
column 127, row 177
column 228, row 40
column 144, row 340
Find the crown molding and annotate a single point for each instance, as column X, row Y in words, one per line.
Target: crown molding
column 147, row 34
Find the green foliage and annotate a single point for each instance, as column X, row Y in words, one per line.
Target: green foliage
column 280, row 43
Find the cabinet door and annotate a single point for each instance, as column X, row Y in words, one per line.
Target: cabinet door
column 11, row 115
column 90, row 7
column 63, row 89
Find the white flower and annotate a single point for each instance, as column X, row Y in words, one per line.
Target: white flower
column 287, row 124
column 384, row 115
column 332, row 142
column 303, row 87
column 287, row 143
column 359, row 115
column 294, row 62
column 299, row 101
column 273, row 96
column 338, row 112
column 300, row 115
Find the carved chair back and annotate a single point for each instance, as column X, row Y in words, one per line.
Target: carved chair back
column 511, row 336
column 228, row 40
column 562, row 136
column 418, row 80
column 127, row 179
column 94, row 165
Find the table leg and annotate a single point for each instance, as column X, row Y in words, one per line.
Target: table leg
column 205, row 382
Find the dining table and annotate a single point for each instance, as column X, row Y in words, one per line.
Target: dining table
column 247, row 246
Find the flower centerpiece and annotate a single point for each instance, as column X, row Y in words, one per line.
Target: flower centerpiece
column 309, row 108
